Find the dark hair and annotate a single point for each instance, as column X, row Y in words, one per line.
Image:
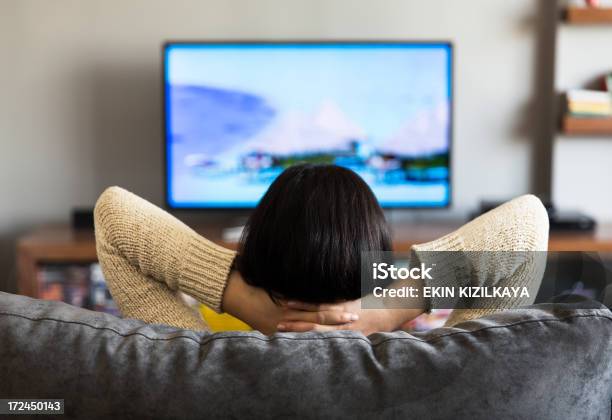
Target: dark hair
column 304, row 239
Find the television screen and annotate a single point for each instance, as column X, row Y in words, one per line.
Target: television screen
column 237, row 114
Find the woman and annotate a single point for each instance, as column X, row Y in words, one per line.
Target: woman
column 299, row 256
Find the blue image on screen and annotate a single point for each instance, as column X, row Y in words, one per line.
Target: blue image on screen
column 237, row 115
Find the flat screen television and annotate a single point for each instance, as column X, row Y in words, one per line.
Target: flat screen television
column 237, row 113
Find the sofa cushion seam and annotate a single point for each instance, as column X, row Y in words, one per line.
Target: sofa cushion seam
column 268, row 339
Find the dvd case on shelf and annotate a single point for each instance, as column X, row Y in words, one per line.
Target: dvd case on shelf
column 77, row 284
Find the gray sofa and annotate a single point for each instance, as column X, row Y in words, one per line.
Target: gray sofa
column 543, row 362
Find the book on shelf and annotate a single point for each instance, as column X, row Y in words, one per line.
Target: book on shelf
column 589, row 103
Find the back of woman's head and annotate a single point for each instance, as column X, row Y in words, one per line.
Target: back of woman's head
column 304, row 239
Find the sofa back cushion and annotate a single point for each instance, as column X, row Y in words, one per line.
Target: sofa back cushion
column 546, row 361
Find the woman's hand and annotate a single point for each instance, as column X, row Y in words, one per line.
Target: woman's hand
column 300, row 317
column 254, row 306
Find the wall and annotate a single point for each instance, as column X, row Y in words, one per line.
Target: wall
column 80, row 103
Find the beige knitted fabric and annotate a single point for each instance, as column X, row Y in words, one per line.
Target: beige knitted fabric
column 148, row 256
column 503, row 242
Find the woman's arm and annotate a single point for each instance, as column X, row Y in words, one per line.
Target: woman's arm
column 147, row 256
column 509, row 246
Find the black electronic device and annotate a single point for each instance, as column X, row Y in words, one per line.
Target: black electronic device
column 560, row 220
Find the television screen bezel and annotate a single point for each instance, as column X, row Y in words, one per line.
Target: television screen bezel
column 165, row 144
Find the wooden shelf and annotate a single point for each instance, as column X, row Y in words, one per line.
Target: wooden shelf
column 589, row 126
column 589, row 15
